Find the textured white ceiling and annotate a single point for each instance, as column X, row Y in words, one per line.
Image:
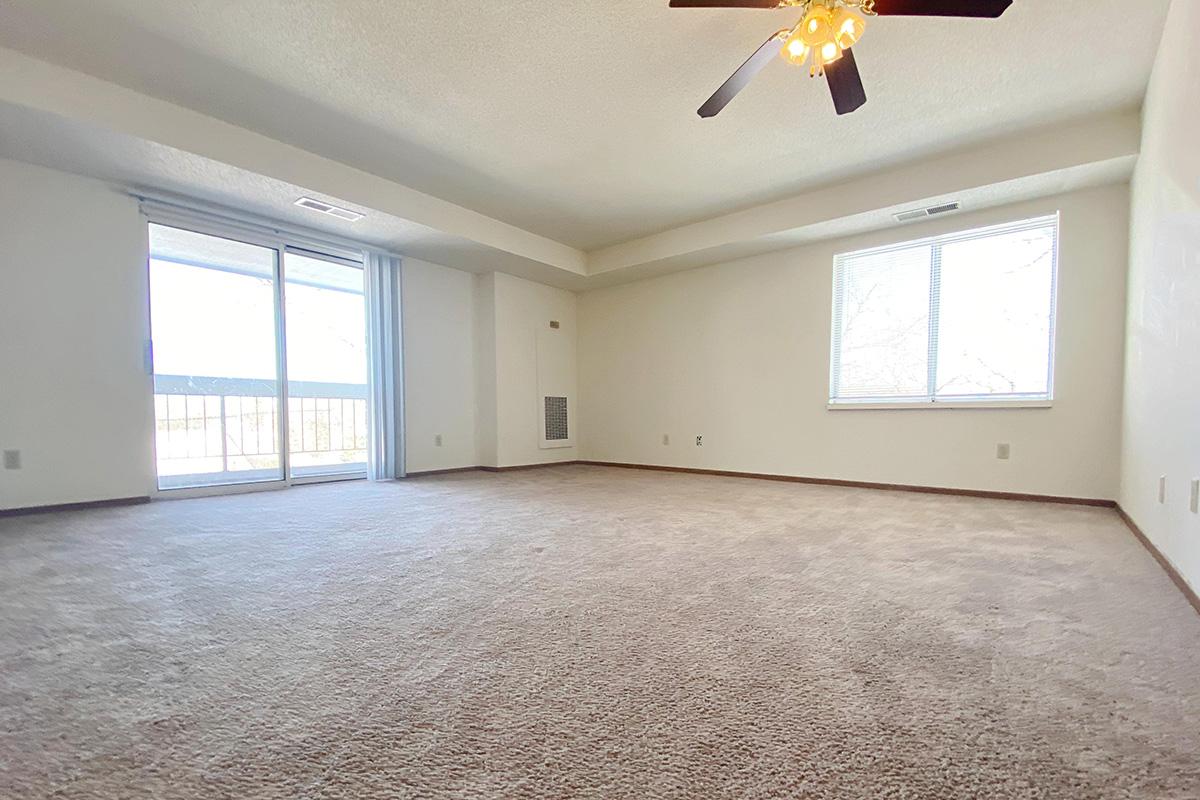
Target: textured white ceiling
column 576, row 119
column 136, row 166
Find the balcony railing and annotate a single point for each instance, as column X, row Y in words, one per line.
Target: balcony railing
column 212, row 430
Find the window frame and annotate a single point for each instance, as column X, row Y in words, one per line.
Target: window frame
column 932, row 400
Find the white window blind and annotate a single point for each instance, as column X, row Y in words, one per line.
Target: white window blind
column 965, row 317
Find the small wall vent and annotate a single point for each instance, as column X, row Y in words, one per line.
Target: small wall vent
column 923, row 213
column 556, row 419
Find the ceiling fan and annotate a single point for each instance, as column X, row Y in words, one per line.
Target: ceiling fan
column 823, row 38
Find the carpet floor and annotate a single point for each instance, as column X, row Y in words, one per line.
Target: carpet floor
column 595, row 633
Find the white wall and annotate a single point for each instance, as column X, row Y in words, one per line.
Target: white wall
column 486, row 425
column 439, row 367
column 1161, row 433
column 492, row 359
column 75, row 399
column 736, row 352
column 74, row 394
column 523, row 308
column 739, row 353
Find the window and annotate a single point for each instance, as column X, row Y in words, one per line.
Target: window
column 962, row 318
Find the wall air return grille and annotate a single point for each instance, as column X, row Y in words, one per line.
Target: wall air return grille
column 924, row 213
column 556, row 419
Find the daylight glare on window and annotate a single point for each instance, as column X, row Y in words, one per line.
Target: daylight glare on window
column 963, row 317
column 216, row 325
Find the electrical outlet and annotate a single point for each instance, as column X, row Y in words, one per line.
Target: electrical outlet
column 699, row 441
column 1196, row 496
column 666, row 439
column 1004, row 451
column 437, row 440
column 12, row 459
column 1162, row 489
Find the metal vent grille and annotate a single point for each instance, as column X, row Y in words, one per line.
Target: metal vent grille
column 556, row 419
column 922, row 213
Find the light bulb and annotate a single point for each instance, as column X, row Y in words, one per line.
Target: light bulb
column 825, row 54
column 817, row 27
column 848, row 27
column 795, row 50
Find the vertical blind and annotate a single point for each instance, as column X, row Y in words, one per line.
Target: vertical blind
column 963, row 317
column 385, row 455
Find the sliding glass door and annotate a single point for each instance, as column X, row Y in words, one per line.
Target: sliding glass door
column 216, row 368
column 326, row 365
column 221, row 347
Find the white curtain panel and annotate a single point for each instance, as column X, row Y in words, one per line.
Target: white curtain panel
column 385, row 460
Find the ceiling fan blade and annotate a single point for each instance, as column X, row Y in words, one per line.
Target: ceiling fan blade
column 845, row 84
column 726, row 3
column 942, row 8
column 745, row 73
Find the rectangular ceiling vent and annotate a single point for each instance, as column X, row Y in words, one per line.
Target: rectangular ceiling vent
column 331, row 210
column 922, row 213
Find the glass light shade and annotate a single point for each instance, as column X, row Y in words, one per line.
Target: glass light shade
column 795, row 50
column 817, row 27
column 830, row 52
column 848, row 27
column 825, row 54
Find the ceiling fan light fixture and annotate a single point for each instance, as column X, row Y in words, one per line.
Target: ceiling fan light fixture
column 829, row 31
column 825, row 32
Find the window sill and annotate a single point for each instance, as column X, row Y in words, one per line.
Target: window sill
column 949, row 404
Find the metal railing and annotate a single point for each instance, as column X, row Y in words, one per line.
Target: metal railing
column 213, row 430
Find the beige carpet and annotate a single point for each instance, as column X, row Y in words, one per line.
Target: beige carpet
column 596, row 633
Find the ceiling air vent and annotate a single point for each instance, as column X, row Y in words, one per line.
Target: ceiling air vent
column 331, row 210
column 922, row 213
